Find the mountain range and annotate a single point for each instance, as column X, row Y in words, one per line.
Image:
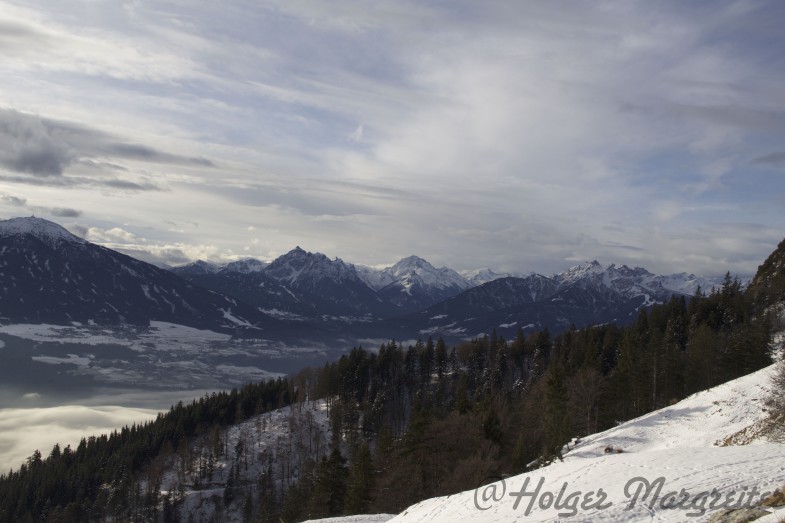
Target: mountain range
column 49, row 275
column 412, row 297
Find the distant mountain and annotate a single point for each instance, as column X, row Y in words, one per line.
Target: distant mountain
column 416, row 284
column 196, row 268
column 586, row 294
column 479, row 276
column 636, row 281
column 333, row 287
column 49, row 275
column 245, row 266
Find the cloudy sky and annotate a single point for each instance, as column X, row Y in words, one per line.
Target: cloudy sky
column 523, row 136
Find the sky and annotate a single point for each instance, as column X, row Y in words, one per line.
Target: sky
column 520, row 136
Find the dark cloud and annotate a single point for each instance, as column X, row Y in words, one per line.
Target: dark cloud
column 148, row 154
column 64, row 212
column 77, row 230
column 736, row 116
column 100, row 166
column 9, row 30
column 776, row 158
column 318, row 198
column 66, row 181
column 27, row 145
column 46, row 148
column 19, row 37
column 130, row 186
column 13, row 200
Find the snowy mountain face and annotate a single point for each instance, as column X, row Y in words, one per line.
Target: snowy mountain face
column 637, row 281
column 49, row 275
column 246, row 266
column 332, row 286
column 586, row 294
column 195, row 268
column 301, row 269
column 416, row 284
column 45, row 231
column 477, row 277
column 374, row 278
column 416, row 271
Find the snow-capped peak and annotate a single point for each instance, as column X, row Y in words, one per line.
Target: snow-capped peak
column 245, row 266
column 197, row 267
column 414, row 270
column 484, row 275
column 44, row 230
column 581, row 271
column 298, row 264
column 411, row 263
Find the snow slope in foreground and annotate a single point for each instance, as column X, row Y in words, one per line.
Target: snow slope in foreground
column 673, row 450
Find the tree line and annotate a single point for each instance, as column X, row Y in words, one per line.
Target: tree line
column 441, row 419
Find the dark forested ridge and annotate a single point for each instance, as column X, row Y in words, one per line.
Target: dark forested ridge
column 409, row 423
column 98, row 480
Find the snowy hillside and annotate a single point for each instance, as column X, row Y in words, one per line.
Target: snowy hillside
column 254, row 458
column 44, row 230
column 679, row 452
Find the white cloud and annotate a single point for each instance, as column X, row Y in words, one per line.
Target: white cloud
column 98, row 235
column 516, row 134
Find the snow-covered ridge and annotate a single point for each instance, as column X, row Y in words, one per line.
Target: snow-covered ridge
column 634, row 281
column 484, row 275
column 245, row 266
column 299, row 266
column 374, row 278
column 44, row 230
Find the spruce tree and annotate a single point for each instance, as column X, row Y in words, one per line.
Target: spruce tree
column 556, row 418
column 361, row 482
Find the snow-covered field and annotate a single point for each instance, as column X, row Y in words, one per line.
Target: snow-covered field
column 681, row 463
